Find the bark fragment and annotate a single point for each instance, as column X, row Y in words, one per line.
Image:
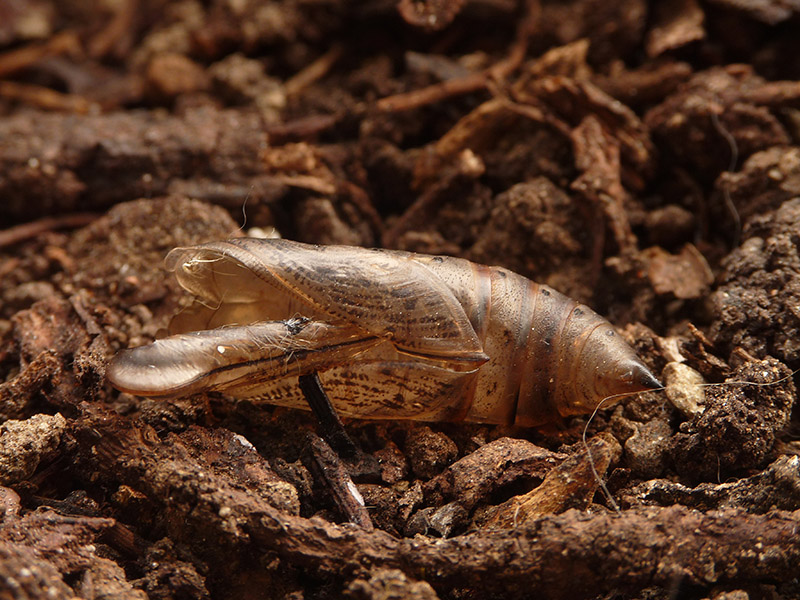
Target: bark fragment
column 59, row 548
column 494, row 465
column 714, row 547
column 571, row 484
column 93, row 162
column 676, row 24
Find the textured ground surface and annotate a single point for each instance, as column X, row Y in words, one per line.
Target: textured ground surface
column 643, row 157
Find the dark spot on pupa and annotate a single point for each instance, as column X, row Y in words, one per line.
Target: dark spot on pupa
column 397, row 402
column 578, row 312
column 324, row 272
column 438, row 259
column 546, row 292
column 295, row 326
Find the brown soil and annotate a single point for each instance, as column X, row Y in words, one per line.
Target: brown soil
column 641, row 157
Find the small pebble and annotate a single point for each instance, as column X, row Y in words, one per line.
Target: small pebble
column 684, row 388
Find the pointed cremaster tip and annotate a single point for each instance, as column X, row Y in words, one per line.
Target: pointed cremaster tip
column 643, row 377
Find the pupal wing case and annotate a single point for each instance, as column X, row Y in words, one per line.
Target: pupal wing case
column 392, row 335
